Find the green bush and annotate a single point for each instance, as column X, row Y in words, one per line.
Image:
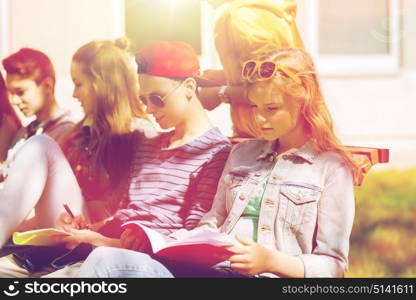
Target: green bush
column 383, row 242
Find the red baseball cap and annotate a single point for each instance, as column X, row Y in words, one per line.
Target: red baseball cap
column 170, row 59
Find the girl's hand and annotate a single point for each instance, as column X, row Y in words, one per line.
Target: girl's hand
column 66, row 222
column 135, row 240
column 250, row 258
column 209, row 97
column 81, row 236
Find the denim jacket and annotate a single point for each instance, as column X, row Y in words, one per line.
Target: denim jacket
column 307, row 209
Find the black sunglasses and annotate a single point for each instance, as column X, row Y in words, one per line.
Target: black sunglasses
column 158, row 100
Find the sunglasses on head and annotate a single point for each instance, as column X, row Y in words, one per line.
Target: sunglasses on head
column 157, row 100
column 266, row 70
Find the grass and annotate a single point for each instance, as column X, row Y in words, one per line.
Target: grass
column 383, row 240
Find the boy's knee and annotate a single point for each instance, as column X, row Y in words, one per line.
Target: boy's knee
column 39, row 143
column 40, row 139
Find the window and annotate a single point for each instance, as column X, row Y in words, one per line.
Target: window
column 352, row 37
column 173, row 20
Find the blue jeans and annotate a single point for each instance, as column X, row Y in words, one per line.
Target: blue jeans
column 105, row 262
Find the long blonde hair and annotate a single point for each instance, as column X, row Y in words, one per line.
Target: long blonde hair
column 114, row 100
column 314, row 110
column 252, row 27
column 245, row 29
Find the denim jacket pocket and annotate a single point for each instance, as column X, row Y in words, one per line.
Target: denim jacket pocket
column 298, row 203
column 234, row 181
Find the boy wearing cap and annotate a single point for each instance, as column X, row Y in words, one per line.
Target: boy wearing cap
column 175, row 175
column 180, row 169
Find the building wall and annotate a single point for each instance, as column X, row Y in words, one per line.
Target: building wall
column 379, row 110
column 59, row 28
column 368, row 111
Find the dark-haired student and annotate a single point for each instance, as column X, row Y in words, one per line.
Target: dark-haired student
column 30, row 82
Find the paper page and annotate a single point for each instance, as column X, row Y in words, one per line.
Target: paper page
column 206, row 237
column 39, row 237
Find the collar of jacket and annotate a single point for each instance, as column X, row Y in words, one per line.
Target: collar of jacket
column 307, row 151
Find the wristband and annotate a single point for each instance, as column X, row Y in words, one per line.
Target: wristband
column 221, row 94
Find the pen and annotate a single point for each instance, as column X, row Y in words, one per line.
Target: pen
column 71, row 214
column 68, row 210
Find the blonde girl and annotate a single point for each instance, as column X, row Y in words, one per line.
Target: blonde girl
column 100, row 147
column 244, row 29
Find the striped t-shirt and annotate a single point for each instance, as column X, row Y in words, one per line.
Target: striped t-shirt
column 173, row 189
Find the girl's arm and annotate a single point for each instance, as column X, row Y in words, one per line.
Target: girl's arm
column 251, row 259
column 209, row 95
column 210, row 99
column 86, row 236
column 336, row 210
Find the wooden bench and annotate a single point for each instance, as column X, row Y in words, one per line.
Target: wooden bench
column 366, row 157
